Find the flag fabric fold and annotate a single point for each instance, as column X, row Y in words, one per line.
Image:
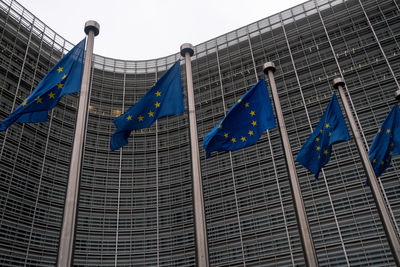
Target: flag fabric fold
column 64, row 78
column 331, row 129
column 244, row 123
column 386, row 142
column 164, row 98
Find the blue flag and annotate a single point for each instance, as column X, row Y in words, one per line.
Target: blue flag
column 64, row 78
column 244, row 123
column 386, row 142
column 331, row 129
column 164, row 98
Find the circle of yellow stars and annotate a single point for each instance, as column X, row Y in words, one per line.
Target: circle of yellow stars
column 250, row 133
column 50, row 94
column 388, row 155
column 317, row 139
column 150, row 114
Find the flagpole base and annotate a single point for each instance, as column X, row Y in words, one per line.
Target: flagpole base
column 92, row 25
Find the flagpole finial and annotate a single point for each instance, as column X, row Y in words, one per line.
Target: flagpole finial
column 187, row 48
column 269, row 66
column 338, row 82
column 92, row 25
column 397, row 95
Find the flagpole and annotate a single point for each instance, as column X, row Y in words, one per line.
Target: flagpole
column 388, row 226
column 67, row 236
column 301, row 216
column 199, row 215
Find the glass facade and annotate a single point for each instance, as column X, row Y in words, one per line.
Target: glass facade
column 135, row 204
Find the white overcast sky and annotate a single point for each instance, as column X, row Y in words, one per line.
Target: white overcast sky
column 147, row 29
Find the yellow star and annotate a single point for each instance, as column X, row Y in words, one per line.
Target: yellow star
column 318, row 148
column 330, row 133
column 220, row 126
column 326, row 152
column 59, row 69
column 151, row 113
column 380, row 130
column 243, row 139
column 154, row 84
column 24, row 104
column 63, row 77
column 51, row 95
column 320, row 131
column 382, row 162
column 252, row 113
column 388, row 131
column 391, row 153
column 38, row 100
column 129, row 117
column 327, row 125
column 254, row 123
column 317, row 139
column 233, row 140
column 392, row 144
column 158, row 93
column 246, row 105
column 374, row 161
column 240, row 100
column 251, row 133
column 157, row 104
column 226, row 135
column 60, row 85
column 140, row 118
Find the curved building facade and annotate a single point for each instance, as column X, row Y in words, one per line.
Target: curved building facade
column 136, row 204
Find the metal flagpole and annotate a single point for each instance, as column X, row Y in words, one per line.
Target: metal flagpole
column 65, row 249
column 199, row 215
column 301, row 216
column 388, row 226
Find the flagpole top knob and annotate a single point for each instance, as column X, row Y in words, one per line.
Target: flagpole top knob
column 269, row 66
column 187, row 48
column 397, row 95
column 338, row 82
column 92, row 25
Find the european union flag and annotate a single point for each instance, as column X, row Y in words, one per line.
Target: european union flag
column 244, row 123
column 331, row 129
column 163, row 99
column 386, row 142
column 64, row 78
